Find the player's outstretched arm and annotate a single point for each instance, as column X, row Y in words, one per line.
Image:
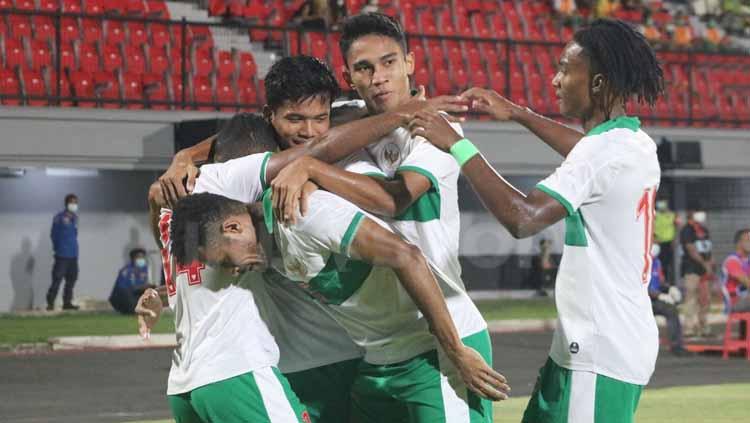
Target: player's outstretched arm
column 558, row 136
column 376, row 195
column 375, row 244
column 179, row 179
column 521, row 215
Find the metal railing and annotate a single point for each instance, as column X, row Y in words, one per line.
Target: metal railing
column 293, row 40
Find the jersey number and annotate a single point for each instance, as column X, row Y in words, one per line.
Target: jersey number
column 646, row 209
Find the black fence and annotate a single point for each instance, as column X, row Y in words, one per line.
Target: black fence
column 695, row 96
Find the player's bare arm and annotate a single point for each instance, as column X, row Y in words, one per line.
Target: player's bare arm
column 521, row 215
column 376, row 195
column 376, row 245
column 559, row 137
column 179, row 179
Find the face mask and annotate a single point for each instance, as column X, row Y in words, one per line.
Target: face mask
column 699, row 217
column 661, row 205
column 655, row 250
column 72, row 207
column 140, row 262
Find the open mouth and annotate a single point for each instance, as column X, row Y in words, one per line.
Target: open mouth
column 381, row 96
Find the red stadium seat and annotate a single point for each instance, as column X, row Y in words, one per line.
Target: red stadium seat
column 114, row 7
column 93, row 7
column 137, row 33
column 460, row 79
column 20, row 26
column 204, row 63
column 106, row 87
column 155, row 89
column 15, row 56
column 88, row 58
column 217, row 7
column 225, row 65
column 9, row 86
column 33, row 86
column 82, row 85
column 202, row 93
column 112, row 58
column 72, row 6
column 159, row 35
column 443, row 84
column 41, row 55
column 422, row 76
column 51, row 82
column 157, row 9
column 225, row 93
column 135, row 61
column 114, row 32
column 248, row 69
column 47, row 5
column 248, row 94
column 132, row 89
column 67, row 56
column 44, row 28
column 27, row 5
column 479, row 79
column 158, row 60
column 135, row 7
column 69, row 29
column 497, row 82
column 92, row 30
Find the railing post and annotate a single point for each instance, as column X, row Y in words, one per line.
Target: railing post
column 183, row 66
column 58, row 56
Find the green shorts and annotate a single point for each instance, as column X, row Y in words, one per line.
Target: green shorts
column 325, row 391
column 567, row 396
column 426, row 388
column 260, row 396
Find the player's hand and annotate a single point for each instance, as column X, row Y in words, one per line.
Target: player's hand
column 419, row 102
column 676, row 294
column 489, row 101
column 665, row 298
column 179, row 179
column 287, row 189
column 156, row 193
column 148, row 310
column 479, row 377
column 433, row 126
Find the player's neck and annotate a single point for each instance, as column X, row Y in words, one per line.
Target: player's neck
column 742, row 253
column 598, row 116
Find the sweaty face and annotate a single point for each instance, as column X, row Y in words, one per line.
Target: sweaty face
column 298, row 123
column 571, row 83
column 237, row 250
column 379, row 70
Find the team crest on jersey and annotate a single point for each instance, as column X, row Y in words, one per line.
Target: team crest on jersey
column 392, row 154
column 574, row 348
column 296, row 267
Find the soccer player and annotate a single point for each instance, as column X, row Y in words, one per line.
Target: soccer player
column 224, row 367
column 606, row 342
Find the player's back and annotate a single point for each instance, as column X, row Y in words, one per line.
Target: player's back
column 608, row 185
column 220, row 333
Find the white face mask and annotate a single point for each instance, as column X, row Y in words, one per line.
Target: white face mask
column 140, row 262
column 661, row 205
column 699, row 217
column 655, row 250
column 72, row 207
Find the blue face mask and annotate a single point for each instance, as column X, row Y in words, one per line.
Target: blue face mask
column 140, row 262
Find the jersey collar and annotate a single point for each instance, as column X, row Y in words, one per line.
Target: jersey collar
column 627, row 122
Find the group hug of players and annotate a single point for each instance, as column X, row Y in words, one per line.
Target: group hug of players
column 312, row 265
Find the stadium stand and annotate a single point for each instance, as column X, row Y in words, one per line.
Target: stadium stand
column 510, row 46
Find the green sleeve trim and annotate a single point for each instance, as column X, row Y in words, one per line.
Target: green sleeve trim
column 427, row 206
column 351, row 231
column 554, row 194
column 268, row 217
column 263, row 165
column 375, row 175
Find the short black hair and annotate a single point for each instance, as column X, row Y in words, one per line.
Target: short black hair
column 242, row 135
column 740, row 233
column 135, row 251
column 625, row 59
column 70, row 197
column 298, row 78
column 374, row 23
column 196, row 223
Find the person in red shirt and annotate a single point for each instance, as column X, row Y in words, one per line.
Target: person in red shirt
column 736, row 273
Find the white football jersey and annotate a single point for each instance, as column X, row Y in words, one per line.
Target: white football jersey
column 607, row 184
column 220, row 333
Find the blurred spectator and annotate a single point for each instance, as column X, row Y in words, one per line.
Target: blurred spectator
column 664, row 300
column 682, row 32
column 64, row 236
column 736, row 274
column 665, row 230
column 131, row 281
column 649, row 30
column 314, row 14
column 713, row 36
column 565, row 8
column 543, row 268
column 605, row 8
column 697, row 271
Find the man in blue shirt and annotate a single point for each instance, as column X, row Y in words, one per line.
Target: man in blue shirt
column 132, row 280
column 663, row 300
column 64, row 236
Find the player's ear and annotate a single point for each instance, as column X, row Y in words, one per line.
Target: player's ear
column 347, row 76
column 409, row 59
column 597, row 84
column 231, row 225
column 267, row 112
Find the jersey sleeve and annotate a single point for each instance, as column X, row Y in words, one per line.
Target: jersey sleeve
column 583, row 178
column 242, row 179
column 361, row 163
column 330, row 224
column 733, row 267
column 428, row 160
